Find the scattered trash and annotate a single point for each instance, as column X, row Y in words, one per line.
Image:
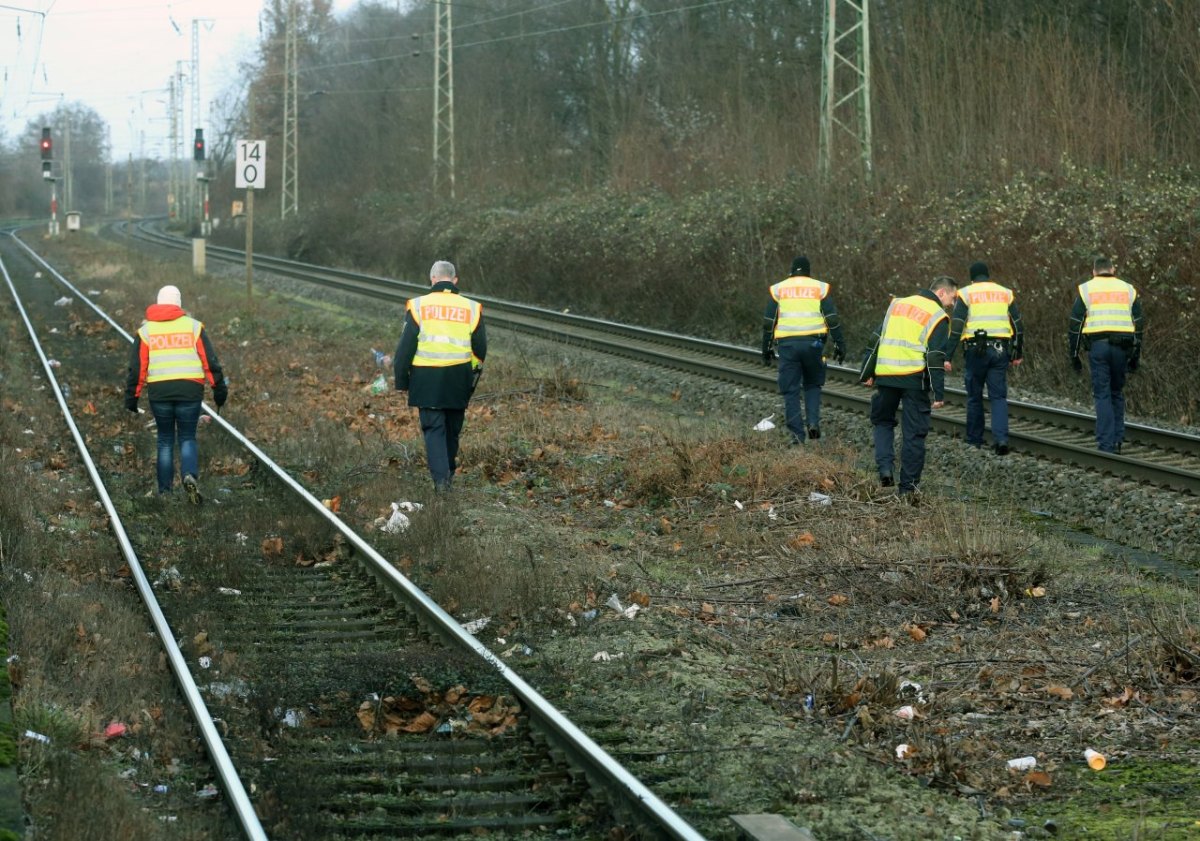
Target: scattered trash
column 205, row 662
column 737, row 503
column 229, row 591
column 764, row 425
column 225, row 689
column 64, row 301
column 604, row 656
column 771, row 515
column 241, row 538
column 382, row 359
column 519, row 648
column 1035, row 592
column 1022, row 763
column 95, row 293
column 810, row 703
column 53, row 363
column 628, row 612
column 160, row 789
column 208, row 792
column 409, row 506
column 292, row 718
column 476, row 625
column 589, row 615
column 37, row 737
column 905, row 713
column 66, row 390
column 820, row 499
column 170, row 577
column 904, row 751
column 115, row 730
column 1095, row 759
column 334, row 504
column 377, row 385
column 396, row 523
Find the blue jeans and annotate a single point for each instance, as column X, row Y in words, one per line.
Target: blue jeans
column 988, row 368
column 801, row 366
column 171, row 417
column 916, row 419
column 1108, row 364
column 441, row 428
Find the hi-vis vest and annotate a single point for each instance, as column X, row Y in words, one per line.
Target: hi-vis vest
column 171, row 347
column 987, row 309
column 799, row 300
column 905, row 335
column 1109, row 301
column 447, row 320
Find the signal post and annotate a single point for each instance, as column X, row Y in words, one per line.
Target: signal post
column 47, row 150
column 199, row 244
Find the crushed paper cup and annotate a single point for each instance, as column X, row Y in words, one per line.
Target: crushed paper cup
column 907, row 713
column 1022, row 763
column 764, row 425
column 904, row 751
column 1095, row 759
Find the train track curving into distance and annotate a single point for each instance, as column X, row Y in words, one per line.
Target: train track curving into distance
column 1160, row 457
column 295, row 673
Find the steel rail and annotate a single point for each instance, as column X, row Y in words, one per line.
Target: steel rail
column 231, row 782
column 743, row 366
column 601, row 769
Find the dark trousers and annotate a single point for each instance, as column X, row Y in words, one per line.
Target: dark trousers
column 441, row 428
column 915, row 422
column 988, row 367
column 176, row 419
column 1108, row 364
column 801, row 368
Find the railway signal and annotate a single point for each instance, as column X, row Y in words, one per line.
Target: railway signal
column 47, row 145
column 198, row 146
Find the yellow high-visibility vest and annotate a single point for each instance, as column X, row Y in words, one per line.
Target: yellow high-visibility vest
column 906, row 330
column 987, row 309
column 799, row 298
column 446, row 320
column 1109, row 302
column 171, row 349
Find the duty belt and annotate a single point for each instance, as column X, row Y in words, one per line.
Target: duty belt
column 999, row 345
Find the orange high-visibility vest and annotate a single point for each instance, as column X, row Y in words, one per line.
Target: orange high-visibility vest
column 171, row 349
column 1109, row 302
column 446, row 320
column 987, row 309
column 905, row 337
column 799, row 298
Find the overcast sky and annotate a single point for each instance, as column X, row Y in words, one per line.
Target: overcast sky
column 118, row 57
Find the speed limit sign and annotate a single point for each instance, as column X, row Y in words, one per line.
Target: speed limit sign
column 251, row 166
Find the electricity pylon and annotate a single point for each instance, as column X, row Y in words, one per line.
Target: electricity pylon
column 443, row 99
column 846, row 81
column 291, row 161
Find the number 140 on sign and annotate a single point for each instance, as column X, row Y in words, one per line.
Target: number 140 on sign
column 251, row 165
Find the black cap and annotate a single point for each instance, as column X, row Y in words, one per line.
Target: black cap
column 800, row 266
column 979, row 271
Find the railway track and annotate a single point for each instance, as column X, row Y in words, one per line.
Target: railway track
column 1156, row 456
column 335, row 699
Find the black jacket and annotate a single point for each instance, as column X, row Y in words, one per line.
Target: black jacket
column 448, row 387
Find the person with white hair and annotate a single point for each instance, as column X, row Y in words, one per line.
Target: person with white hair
column 438, row 362
column 171, row 362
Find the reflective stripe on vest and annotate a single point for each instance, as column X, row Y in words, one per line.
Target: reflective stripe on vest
column 905, row 335
column 171, row 347
column 446, row 320
column 1109, row 302
column 987, row 309
column 799, row 300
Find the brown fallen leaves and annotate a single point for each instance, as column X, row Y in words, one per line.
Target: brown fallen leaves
column 454, row 710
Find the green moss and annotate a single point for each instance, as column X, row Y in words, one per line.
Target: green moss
column 1132, row 799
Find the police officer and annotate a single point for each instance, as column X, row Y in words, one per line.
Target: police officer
column 1107, row 319
column 905, row 365
column 798, row 323
column 172, row 359
column 987, row 320
column 438, row 362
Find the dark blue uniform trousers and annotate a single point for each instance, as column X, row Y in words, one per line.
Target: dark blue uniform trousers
column 915, row 422
column 989, row 368
column 1108, row 364
column 801, row 366
column 441, row 428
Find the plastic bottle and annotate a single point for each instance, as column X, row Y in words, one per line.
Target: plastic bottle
column 1022, row 763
